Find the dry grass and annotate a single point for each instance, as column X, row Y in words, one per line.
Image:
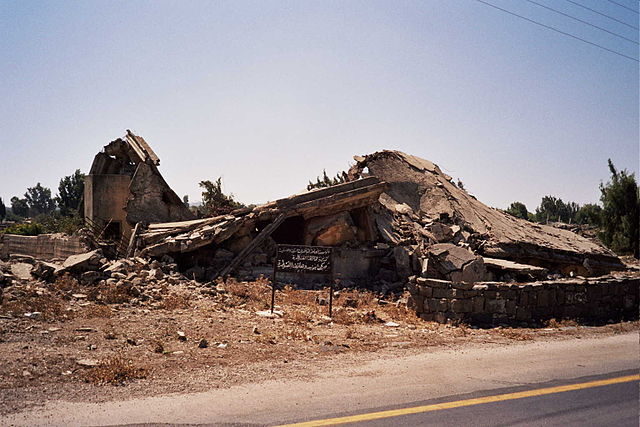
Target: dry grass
column 515, row 334
column 115, row 371
column 112, row 294
column 50, row 307
column 292, row 296
column 96, row 311
column 553, row 323
column 356, row 299
column 298, row 315
column 344, row 316
column 401, row 313
column 253, row 295
column 67, row 283
column 176, row 301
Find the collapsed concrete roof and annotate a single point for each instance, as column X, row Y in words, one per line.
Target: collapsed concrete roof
column 420, row 196
column 392, row 200
column 187, row 236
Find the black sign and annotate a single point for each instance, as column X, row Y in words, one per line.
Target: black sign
column 303, row 259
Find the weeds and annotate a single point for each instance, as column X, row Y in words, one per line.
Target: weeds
column 176, row 301
column 115, row 371
column 553, row 323
column 255, row 294
column 50, row 307
column 515, row 334
column 96, row 311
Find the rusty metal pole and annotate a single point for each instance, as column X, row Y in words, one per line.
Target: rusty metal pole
column 331, row 285
column 273, row 281
column 331, row 299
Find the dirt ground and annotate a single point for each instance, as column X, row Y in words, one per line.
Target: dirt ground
column 86, row 345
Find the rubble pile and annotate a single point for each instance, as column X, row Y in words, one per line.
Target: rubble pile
column 91, row 277
column 423, row 209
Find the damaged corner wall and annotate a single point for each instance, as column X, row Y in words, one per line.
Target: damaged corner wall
column 494, row 303
column 152, row 200
column 124, row 187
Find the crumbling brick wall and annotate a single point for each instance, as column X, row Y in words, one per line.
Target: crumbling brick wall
column 493, row 303
column 43, row 246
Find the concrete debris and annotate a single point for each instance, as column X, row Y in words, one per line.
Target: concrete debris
column 83, row 262
column 435, row 199
column 397, row 217
column 87, row 363
column 21, row 270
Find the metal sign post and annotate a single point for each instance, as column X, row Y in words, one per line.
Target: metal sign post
column 303, row 259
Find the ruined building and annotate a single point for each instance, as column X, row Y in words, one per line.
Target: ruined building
column 398, row 216
column 124, row 187
column 398, row 223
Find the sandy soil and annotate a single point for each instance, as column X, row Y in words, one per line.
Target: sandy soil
column 138, row 351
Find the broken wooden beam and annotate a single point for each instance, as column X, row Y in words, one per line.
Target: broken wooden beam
column 259, row 239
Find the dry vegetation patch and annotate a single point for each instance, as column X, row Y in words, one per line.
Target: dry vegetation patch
column 139, row 345
column 116, row 370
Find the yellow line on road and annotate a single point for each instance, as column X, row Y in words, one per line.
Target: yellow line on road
column 467, row 402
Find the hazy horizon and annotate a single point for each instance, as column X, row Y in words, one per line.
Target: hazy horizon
column 268, row 94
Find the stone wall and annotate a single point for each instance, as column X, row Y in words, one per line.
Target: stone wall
column 493, row 303
column 43, row 246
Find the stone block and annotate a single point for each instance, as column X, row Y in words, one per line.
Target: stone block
column 544, row 298
column 416, row 302
column 437, row 304
column 427, row 317
column 523, row 314
column 436, row 283
column 629, row 302
column 510, row 307
column 461, row 305
column 523, row 298
column 495, row 305
column 478, row 304
column 462, row 285
column 426, row 291
column 440, row 318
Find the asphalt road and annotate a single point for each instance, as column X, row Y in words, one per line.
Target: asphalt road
column 614, row 404
column 386, row 381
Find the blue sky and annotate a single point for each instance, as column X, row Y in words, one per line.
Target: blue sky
column 266, row 94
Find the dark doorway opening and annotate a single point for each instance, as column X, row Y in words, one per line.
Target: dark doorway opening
column 290, row 232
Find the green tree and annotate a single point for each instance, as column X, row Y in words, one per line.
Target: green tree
column 70, row 193
column 620, row 209
column 589, row 214
column 519, row 210
column 214, row 201
column 39, row 200
column 554, row 209
column 326, row 181
column 19, row 207
column 3, row 210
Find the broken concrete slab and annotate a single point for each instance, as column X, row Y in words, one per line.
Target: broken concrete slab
column 433, row 196
column 514, row 267
column 456, row 264
column 83, row 262
column 330, row 230
column 21, row 270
